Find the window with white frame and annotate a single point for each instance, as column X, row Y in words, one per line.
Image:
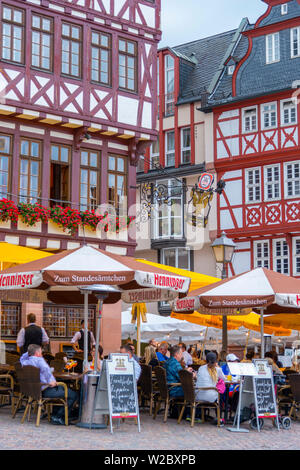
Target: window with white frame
column 186, row 145
column 168, row 218
column 177, row 257
column 296, row 256
column 284, row 9
column 154, row 155
column 292, row 179
column 262, row 254
column 269, row 115
column 170, row 148
column 288, row 112
column 253, row 185
column 169, row 85
column 250, row 119
column 272, row 48
column 272, row 182
column 281, row 256
column 295, row 42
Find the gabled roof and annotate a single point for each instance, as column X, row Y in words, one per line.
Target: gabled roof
column 202, row 62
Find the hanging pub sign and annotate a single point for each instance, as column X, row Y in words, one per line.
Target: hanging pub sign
column 205, row 181
column 116, row 393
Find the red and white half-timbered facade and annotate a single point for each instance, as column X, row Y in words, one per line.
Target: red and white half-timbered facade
column 78, row 106
column 256, row 144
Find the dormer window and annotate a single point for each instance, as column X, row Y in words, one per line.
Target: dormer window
column 272, row 48
column 231, row 69
column 284, row 9
column 295, row 42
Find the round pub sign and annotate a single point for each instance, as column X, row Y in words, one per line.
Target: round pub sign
column 205, row 181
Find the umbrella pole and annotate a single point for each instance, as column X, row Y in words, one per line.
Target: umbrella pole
column 224, row 334
column 138, row 331
column 262, row 347
column 98, row 326
column 246, row 346
column 203, row 345
column 86, row 315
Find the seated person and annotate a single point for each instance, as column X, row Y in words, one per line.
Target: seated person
column 208, row 376
column 91, row 364
column 233, row 388
column 229, row 358
column 126, row 349
column 150, row 356
column 249, row 357
column 162, row 352
column 173, row 366
column 188, row 360
column 33, row 357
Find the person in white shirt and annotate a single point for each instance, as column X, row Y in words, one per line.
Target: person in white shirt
column 126, row 349
column 208, row 376
column 188, row 360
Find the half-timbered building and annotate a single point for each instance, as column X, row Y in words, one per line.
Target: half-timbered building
column 256, row 142
column 187, row 74
column 78, row 105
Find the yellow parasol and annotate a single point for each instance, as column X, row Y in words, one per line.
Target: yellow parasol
column 283, row 321
column 11, row 255
column 250, row 322
column 197, row 280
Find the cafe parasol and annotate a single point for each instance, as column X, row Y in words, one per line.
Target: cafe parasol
column 260, row 289
column 88, row 273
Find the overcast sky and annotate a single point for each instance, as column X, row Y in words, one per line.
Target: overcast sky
column 187, row 20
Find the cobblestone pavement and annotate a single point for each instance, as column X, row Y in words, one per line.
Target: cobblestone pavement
column 155, row 435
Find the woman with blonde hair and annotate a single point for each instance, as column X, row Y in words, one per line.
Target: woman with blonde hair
column 150, row 356
column 208, row 376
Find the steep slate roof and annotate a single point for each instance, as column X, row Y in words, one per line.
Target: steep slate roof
column 195, row 78
column 255, row 77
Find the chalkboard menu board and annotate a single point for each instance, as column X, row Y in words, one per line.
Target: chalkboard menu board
column 265, row 399
column 122, row 395
column 116, row 393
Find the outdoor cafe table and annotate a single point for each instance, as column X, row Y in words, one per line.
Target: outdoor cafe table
column 73, row 377
column 5, row 368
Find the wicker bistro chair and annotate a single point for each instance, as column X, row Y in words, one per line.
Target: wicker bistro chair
column 7, row 390
column 31, row 391
column 294, row 382
column 145, row 386
column 163, row 394
column 58, row 365
column 189, row 391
